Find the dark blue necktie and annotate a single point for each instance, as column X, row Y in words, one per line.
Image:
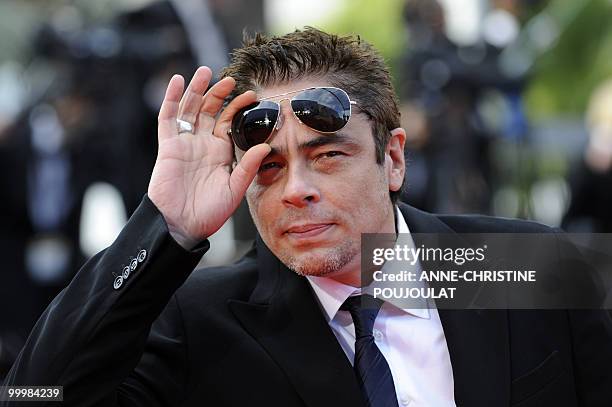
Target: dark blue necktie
column 371, row 368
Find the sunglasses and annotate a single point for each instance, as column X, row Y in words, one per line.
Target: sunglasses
column 323, row 109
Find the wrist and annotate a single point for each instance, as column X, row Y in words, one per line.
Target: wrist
column 185, row 241
column 181, row 237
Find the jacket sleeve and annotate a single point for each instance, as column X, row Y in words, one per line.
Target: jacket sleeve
column 95, row 333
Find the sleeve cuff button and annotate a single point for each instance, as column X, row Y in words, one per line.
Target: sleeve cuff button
column 118, row 282
column 126, row 272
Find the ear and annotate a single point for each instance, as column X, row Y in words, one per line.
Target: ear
column 395, row 164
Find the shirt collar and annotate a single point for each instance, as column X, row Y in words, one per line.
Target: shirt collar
column 331, row 294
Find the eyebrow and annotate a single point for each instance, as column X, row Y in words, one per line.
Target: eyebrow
column 335, row 138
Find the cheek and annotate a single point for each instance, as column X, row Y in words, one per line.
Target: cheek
column 257, row 197
column 253, row 204
column 253, row 192
column 258, row 201
column 360, row 195
column 372, row 179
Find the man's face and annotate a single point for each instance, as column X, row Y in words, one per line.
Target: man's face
column 316, row 193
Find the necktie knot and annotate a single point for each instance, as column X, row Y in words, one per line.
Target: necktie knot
column 363, row 309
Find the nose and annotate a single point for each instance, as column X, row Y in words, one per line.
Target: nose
column 300, row 189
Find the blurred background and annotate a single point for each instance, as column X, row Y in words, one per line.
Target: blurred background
column 507, row 105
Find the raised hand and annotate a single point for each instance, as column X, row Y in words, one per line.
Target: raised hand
column 193, row 184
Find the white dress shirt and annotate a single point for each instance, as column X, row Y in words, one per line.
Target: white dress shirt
column 411, row 340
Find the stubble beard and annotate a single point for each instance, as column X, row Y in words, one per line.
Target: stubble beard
column 321, row 264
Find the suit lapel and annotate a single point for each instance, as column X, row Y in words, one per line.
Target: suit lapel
column 284, row 317
column 477, row 340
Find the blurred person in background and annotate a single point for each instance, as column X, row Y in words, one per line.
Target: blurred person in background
column 46, row 163
column 154, row 43
column 448, row 141
column 590, row 209
column 91, row 122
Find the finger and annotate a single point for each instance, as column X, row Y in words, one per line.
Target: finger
column 214, row 98
column 246, row 169
column 192, row 99
column 213, row 102
column 169, row 107
column 225, row 120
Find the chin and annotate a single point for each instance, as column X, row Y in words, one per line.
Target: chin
column 320, row 262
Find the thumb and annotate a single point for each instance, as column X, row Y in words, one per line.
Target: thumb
column 245, row 171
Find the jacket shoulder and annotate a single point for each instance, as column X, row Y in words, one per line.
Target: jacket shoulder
column 420, row 221
column 492, row 224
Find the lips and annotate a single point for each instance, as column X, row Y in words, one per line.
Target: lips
column 308, row 230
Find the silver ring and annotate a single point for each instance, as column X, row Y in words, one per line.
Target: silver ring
column 184, row 126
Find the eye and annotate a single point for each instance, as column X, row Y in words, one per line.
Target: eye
column 269, row 166
column 329, row 154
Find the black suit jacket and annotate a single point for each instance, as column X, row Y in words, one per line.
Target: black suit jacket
column 252, row 334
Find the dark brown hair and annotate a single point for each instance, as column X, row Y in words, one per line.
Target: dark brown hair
column 346, row 61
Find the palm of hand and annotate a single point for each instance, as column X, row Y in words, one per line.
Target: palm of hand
column 193, row 184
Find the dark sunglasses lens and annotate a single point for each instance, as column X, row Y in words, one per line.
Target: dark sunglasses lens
column 322, row 109
column 254, row 124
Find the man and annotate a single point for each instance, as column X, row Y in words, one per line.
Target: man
column 137, row 328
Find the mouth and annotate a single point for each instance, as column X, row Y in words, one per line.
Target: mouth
column 308, row 230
